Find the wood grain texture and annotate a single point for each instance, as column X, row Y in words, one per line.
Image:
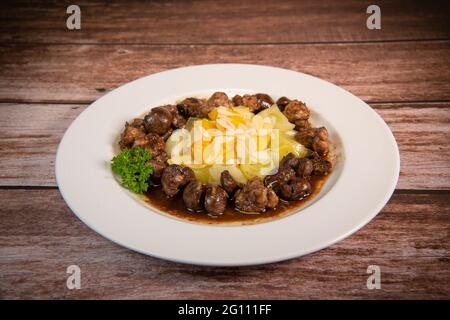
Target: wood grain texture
column 40, row 237
column 224, row 21
column 31, row 133
column 81, row 73
column 49, row 74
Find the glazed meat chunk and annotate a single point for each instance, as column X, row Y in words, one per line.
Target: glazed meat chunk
column 193, row 195
column 289, row 160
column 247, row 100
column 321, row 166
column 302, row 124
column 276, row 180
column 264, row 101
column 255, row 102
column 129, row 136
column 272, row 199
column 305, row 167
column 158, row 169
column 315, row 139
column 199, row 108
column 174, row 178
column 178, row 120
column 286, row 171
column 158, row 120
column 296, row 189
column 159, row 163
column 237, row 100
column 152, row 142
column 296, row 110
column 228, row 183
column 215, row 200
column 282, row 103
column 193, row 107
column 139, row 123
column 218, row 99
column 253, row 197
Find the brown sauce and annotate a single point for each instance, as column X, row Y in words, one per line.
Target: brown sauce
column 157, row 199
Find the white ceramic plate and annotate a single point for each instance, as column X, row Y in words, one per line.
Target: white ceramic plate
column 362, row 182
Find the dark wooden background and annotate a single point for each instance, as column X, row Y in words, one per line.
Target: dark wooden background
column 48, row 75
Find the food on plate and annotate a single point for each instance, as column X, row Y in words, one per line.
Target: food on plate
column 224, row 159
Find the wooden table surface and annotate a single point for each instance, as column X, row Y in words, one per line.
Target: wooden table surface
column 50, row 74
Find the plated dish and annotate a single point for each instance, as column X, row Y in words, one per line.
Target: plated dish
column 220, row 160
column 363, row 174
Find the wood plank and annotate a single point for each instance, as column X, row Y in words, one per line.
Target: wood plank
column 28, row 145
column 422, row 133
column 81, row 73
column 40, row 237
column 223, row 21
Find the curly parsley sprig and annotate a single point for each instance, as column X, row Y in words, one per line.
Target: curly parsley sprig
column 133, row 168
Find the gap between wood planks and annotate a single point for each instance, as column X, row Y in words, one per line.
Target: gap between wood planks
column 349, row 42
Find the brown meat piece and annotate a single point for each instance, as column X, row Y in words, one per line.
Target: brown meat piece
column 215, row 200
column 305, row 167
column 129, row 136
column 282, row 103
column 174, row 178
column 199, row 108
column 255, row 102
column 296, row 189
column 167, row 134
column 286, row 171
column 228, row 183
column 139, row 123
column 321, row 166
column 272, row 199
column 252, row 197
column 251, row 102
column 289, row 160
column 302, row 124
column 159, row 163
column 193, row 195
column 158, row 169
column 161, row 157
column 306, row 136
column 152, row 142
column 178, row 120
column 158, row 120
column 188, row 174
column 247, row 100
column 315, row 139
column 321, row 145
column 283, row 175
column 218, row 99
column 193, row 107
column 296, row 110
column 264, row 101
column 237, row 100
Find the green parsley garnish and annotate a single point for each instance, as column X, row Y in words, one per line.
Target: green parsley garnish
column 132, row 167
